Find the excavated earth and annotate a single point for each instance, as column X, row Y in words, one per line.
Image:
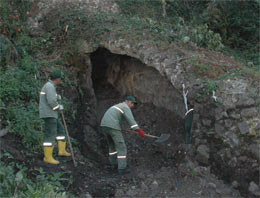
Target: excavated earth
column 158, row 169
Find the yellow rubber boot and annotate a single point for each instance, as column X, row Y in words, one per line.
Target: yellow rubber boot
column 62, row 149
column 48, row 155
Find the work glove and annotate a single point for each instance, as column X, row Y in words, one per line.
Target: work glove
column 61, row 107
column 141, row 133
column 58, row 97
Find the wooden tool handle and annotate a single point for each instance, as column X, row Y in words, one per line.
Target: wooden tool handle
column 67, row 132
column 147, row 135
column 152, row 136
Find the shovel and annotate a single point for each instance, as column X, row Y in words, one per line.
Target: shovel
column 162, row 138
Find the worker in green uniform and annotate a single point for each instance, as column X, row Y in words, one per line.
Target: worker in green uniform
column 110, row 126
column 48, row 109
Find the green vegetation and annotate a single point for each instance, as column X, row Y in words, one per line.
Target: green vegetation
column 231, row 27
column 82, row 24
column 235, row 22
column 14, row 182
column 20, row 83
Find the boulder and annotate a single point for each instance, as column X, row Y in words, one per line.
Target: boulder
column 254, row 149
column 202, row 154
column 243, row 128
column 254, row 188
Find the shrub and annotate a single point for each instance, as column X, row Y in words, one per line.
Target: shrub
column 17, row 183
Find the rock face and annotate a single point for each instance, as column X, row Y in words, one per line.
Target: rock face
column 226, row 124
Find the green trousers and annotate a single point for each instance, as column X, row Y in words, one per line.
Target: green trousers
column 117, row 147
column 53, row 129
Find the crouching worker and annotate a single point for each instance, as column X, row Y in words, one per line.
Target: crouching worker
column 110, row 126
column 53, row 129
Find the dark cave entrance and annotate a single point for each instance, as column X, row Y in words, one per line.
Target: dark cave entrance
column 115, row 76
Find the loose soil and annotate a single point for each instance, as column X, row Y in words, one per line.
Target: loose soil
column 158, row 169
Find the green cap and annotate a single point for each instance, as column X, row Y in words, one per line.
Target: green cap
column 56, row 74
column 131, row 98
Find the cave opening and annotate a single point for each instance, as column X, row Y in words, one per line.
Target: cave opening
column 114, row 76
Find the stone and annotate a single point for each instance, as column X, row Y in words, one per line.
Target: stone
column 150, row 175
column 144, row 187
column 257, row 126
column 219, row 128
column 141, row 175
column 228, row 123
column 191, row 164
column 223, row 191
column 235, row 116
column 245, row 101
column 243, row 128
column 230, row 90
column 218, row 113
column 255, row 165
column 212, row 185
column 85, row 47
column 3, row 132
column 225, row 114
column 131, row 192
column 254, row 188
column 154, row 185
column 228, row 153
column 249, row 112
column 233, row 139
column 254, row 149
column 197, row 141
column 235, row 184
column 233, row 162
column 196, row 117
column 119, row 193
column 86, row 195
column 242, row 158
column 206, row 122
column 202, row 154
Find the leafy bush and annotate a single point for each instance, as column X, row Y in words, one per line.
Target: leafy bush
column 238, row 24
column 210, row 24
column 8, row 52
column 17, row 184
column 19, row 90
column 141, row 8
column 201, row 36
column 13, row 14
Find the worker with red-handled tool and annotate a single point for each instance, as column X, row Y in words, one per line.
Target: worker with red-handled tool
column 110, row 126
column 48, row 109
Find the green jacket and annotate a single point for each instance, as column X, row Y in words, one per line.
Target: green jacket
column 49, row 105
column 114, row 115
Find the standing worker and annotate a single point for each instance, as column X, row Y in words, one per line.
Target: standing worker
column 110, row 126
column 48, row 109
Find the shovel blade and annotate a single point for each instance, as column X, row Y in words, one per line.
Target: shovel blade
column 163, row 137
